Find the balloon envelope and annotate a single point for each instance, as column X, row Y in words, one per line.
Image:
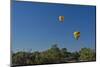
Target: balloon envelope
column 61, row 18
column 76, row 35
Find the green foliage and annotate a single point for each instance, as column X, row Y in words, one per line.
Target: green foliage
column 52, row 55
column 76, row 56
column 64, row 53
column 87, row 54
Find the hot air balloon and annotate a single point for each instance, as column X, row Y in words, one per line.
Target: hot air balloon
column 61, row 18
column 76, row 35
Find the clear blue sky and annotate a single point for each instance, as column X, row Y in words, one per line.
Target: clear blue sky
column 36, row 26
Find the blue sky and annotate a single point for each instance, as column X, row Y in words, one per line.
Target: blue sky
column 36, row 26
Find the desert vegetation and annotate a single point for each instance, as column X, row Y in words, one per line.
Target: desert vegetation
column 52, row 55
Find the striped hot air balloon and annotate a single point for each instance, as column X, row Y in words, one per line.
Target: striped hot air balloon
column 61, row 18
column 76, row 35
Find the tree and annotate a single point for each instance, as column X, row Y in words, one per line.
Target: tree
column 19, row 58
column 64, row 52
column 87, row 54
column 54, row 54
column 76, row 56
column 37, row 57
